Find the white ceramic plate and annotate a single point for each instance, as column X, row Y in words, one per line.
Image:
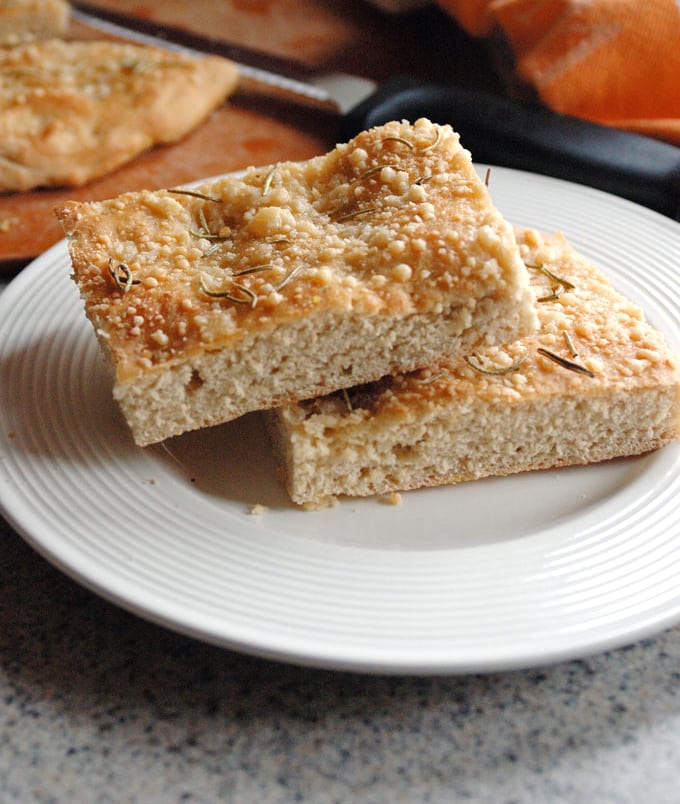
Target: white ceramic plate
column 490, row 575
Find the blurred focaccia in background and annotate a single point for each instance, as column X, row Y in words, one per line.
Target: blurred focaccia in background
column 72, row 111
column 24, row 20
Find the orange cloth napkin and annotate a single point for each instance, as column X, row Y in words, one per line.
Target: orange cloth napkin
column 616, row 62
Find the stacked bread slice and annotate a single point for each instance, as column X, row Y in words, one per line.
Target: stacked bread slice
column 298, row 280
column 378, row 305
column 595, row 381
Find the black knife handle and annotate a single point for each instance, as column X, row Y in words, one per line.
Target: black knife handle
column 518, row 135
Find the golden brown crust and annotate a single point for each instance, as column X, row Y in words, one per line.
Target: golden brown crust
column 422, row 246
column 391, row 231
column 502, row 410
column 72, row 111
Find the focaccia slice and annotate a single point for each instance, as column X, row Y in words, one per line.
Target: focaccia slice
column 296, row 280
column 25, row 20
column 595, row 382
column 72, row 111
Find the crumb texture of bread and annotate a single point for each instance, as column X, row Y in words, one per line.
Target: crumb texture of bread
column 298, row 279
column 503, row 410
column 26, row 20
column 71, row 111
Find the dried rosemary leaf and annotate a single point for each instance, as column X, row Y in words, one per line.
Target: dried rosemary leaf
column 371, row 171
column 194, row 194
column 558, row 280
column 253, row 270
column 495, row 371
column 213, row 238
column 252, row 296
column 566, row 284
column 344, row 205
column 204, row 223
column 570, row 343
column 559, row 290
column 412, row 146
column 402, row 140
column 121, row 275
column 433, row 144
column 286, row 279
column 356, row 212
column 204, row 233
column 248, row 296
column 567, row 364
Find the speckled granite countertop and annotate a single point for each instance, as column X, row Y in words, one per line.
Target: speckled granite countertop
column 100, row 706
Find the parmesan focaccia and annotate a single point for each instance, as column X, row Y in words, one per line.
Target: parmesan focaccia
column 24, row 20
column 72, row 111
column 595, row 382
column 296, row 280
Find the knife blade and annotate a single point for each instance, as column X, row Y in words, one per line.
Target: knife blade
column 259, row 72
column 496, row 130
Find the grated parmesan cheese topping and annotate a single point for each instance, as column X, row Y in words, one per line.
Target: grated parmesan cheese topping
column 392, row 223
